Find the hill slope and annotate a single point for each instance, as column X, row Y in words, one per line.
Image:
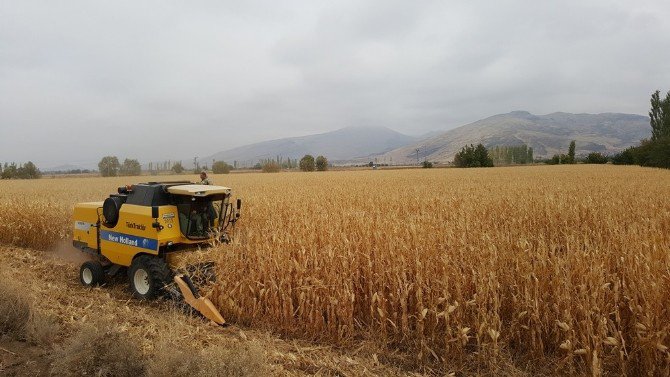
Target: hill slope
column 343, row 144
column 549, row 134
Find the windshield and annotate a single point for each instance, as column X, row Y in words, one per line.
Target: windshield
column 198, row 217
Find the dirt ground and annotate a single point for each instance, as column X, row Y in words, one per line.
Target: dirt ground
column 51, row 282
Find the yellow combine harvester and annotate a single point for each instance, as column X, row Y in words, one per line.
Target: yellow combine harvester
column 145, row 228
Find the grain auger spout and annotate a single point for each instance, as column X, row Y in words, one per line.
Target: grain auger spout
column 148, row 229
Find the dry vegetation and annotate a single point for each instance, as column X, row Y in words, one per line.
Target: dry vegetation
column 98, row 350
column 219, row 360
column 14, row 311
column 541, row 268
column 165, row 336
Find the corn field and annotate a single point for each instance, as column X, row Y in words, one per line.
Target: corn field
column 450, row 267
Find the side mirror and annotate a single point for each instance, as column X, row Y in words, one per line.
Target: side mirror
column 154, row 212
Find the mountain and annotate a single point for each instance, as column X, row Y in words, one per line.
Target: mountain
column 343, row 144
column 549, row 134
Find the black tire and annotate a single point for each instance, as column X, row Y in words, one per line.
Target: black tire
column 91, row 274
column 148, row 275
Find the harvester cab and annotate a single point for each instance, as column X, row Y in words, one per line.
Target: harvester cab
column 146, row 228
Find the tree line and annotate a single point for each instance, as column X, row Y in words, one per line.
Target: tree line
column 509, row 155
column 109, row 166
column 473, row 157
column 306, row 163
column 654, row 152
column 479, row 156
column 562, row 158
column 21, row 171
column 309, row 163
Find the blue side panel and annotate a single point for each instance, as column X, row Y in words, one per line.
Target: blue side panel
column 129, row 240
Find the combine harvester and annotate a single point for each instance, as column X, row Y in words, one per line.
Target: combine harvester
column 146, row 228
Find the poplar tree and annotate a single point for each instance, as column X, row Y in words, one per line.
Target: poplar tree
column 659, row 115
column 571, row 153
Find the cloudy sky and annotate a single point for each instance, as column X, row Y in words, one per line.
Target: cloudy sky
column 169, row 79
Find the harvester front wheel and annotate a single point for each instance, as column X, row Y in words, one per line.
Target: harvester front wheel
column 91, row 274
column 147, row 277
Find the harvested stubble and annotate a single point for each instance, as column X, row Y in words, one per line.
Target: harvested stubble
column 238, row 360
column 568, row 263
column 14, row 310
column 19, row 319
column 98, row 350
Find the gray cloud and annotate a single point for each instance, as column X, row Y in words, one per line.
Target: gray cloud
column 158, row 80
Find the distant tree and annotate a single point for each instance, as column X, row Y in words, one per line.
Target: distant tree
column 571, row 153
column 178, row 168
column 220, row 167
column 427, row 164
column 371, row 164
column 649, row 153
column 321, row 163
column 289, row 163
column 6, row 173
column 473, row 157
column 482, row 155
column 28, row 171
column 464, row 158
column 9, row 171
column 109, row 166
column 657, row 153
column 659, row 115
column 595, row 158
column 307, row 163
column 271, row 167
column 558, row 159
column 130, row 167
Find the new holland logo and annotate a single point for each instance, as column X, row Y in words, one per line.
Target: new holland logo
column 129, row 240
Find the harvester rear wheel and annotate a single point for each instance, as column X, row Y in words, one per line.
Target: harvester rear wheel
column 148, row 275
column 91, row 274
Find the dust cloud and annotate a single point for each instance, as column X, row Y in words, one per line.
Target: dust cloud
column 65, row 252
